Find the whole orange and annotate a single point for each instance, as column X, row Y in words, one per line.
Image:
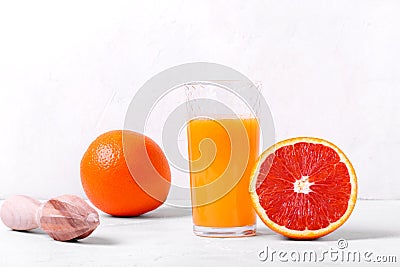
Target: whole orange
column 125, row 173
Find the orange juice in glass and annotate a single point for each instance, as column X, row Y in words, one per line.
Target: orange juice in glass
column 222, row 150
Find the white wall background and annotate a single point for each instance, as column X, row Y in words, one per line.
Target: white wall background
column 68, row 72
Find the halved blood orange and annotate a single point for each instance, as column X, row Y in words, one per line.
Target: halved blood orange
column 303, row 188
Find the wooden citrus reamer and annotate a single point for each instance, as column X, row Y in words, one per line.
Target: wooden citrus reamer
column 63, row 218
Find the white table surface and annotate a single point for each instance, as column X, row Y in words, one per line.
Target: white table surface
column 164, row 238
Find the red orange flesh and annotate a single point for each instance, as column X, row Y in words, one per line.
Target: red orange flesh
column 303, row 188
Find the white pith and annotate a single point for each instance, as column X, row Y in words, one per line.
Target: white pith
column 302, row 185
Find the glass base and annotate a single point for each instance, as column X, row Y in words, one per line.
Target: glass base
column 242, row 231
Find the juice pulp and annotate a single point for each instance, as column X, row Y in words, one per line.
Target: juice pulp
column 222, row 154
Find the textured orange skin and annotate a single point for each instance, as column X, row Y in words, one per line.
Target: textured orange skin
column 107, row 180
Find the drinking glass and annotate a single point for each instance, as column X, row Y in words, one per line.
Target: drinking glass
column 223, row 145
